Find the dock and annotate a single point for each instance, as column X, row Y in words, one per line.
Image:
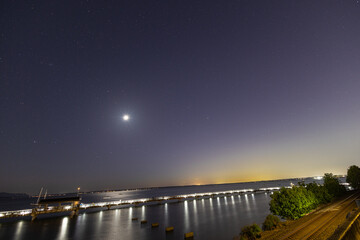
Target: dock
column 73, row 205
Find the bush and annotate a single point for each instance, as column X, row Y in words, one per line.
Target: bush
column 321, row 193
column 353, row 176
column 250, row 232
column 332, row 184
column 271, row 222
column 292, row 203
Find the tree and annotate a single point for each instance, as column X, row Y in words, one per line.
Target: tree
column 271, row 222
column 353, row 176
column 321, row 193
column 250, row 232
column 332, row 184
column 292, row 203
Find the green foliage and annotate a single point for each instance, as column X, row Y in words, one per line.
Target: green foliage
column 332, row 184
column 271, row 222
column 301, row 184
column 292, row 203
column 250, row 232
column 321, row 193
column 353, row 176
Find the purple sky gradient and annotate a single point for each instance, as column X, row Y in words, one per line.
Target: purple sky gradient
column 217, row 91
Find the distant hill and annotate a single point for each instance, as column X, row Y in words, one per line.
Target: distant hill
column 4, row 195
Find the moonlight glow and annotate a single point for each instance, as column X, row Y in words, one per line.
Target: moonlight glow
column 126, row 117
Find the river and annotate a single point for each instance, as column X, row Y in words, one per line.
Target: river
column 211, row 218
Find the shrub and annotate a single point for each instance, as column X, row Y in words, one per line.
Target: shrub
column 250, row 232
column 271, row 222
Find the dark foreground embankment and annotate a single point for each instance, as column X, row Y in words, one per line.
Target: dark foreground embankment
column 354, row 230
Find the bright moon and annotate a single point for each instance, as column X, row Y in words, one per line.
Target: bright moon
column 126, row 117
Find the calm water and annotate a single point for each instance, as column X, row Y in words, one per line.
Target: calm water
column 214, row 218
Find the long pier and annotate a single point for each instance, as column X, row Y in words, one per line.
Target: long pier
column 74, row 208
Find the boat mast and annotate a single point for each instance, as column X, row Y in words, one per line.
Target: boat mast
column 37, row 202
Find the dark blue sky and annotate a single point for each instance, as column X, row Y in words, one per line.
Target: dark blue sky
column 217, row 91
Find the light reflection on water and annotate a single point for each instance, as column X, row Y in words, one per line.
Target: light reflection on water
column 18, row 233
column 233, row 206
column 166, row 214
column 99, row 222
column 143, row 213
column 63, row 229
column 186, row 216
column 213, row 218
column 210, row 210
column 195, row 213
column 203, row 209
column 79, row 231
column 130, row 213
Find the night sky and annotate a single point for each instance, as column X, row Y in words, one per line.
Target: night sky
column 216, row 92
